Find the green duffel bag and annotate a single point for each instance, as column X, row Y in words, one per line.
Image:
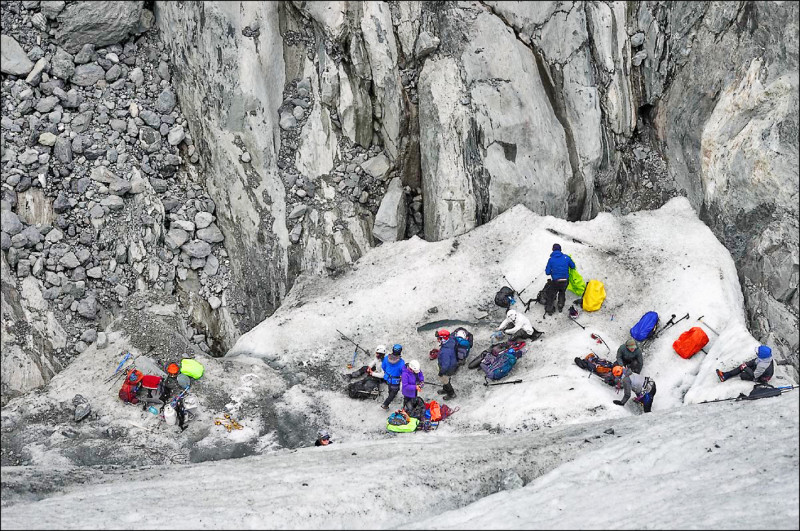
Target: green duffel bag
column 192, row 368
column 576, row 283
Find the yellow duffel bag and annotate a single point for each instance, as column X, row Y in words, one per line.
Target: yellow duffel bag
column 594, row 296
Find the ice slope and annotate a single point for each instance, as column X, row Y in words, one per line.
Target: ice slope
column 724, row 465
column 665, row 260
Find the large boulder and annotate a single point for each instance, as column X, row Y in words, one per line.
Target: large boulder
column 390, row 222
column 98, row 23
column 13, row 59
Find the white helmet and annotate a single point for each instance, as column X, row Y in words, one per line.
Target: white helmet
column 381, row 349
column 323, row 434
column 512, row 314
column 413, row 365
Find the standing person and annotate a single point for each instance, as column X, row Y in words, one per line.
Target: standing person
column 642, row 386
column 759, row 369
column 392, row 366
column 558, row 267
column 630, row 355
column 518, row 326
column 412, row 380
column 323, row 438
column 448, row 363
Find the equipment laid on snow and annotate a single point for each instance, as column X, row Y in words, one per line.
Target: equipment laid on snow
column 192, row 368
column 646, row 327
column 487, row 384
column 497, row 366
column 594, row 296
column 599, row 340
column 690, row 342
column 760, row 390
column 707, row 325
column 505, row 297
column 228, row 422
column 494, row 349
column 401, row 422
column 573, row 316
column 597, row 365
column 672, row 322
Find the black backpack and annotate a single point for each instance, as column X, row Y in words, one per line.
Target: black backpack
column 416, row 408
column 366, row 388
column 463, row 345
column 502, row 297
column 547, row 297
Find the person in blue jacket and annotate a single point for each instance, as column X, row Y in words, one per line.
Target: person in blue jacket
column 448, row 363
column 558, row 267
column 392, row 366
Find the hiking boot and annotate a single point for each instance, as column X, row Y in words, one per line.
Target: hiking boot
column 384, row 406
column 441, row 391
column 720, row 375
column 449, row 396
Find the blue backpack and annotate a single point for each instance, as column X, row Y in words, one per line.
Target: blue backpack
column 499, row 365
column 396, row 419
column 463, row 344
column 645, row 327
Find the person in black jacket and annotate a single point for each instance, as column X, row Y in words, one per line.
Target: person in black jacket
column 323, row 438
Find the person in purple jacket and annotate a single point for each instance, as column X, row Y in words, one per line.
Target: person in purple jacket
column 412, row 381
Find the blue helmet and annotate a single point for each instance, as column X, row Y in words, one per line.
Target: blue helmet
column 764, row 352
column 397, row 349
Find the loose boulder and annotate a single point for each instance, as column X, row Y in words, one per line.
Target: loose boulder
column 98, row 23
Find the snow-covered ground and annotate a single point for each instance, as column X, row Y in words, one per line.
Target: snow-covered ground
column 661, row 469
column 724, row 465
column 665, row 260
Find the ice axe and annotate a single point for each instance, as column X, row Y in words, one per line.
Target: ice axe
column 600, row 340
column 705, row 323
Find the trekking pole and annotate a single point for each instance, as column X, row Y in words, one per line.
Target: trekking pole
column 666, row 325
column 353, row 342
column 577, row 323
column 519, row 293
column 670, row 325
column 353, row 363
column 529, row 284
column 705, row 323
column 487, row 384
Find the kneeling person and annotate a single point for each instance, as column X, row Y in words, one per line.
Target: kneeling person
column 374, row 372
column 518, row 326
column 642, row 386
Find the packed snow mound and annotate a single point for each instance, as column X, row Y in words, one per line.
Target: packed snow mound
column 665, row 260
column 694, row 467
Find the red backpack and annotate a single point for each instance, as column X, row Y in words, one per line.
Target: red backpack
column 690, row 342
column 130, row 387
column 436, row 411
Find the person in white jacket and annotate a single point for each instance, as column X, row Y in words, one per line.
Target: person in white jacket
column 374, row 372
column 518, row 326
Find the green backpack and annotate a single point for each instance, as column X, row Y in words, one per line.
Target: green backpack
column 192, row 368
column 576, row 283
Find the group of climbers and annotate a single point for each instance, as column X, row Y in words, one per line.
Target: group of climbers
column 624, row 373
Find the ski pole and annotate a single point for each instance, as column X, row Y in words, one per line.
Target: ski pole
column 705, row 323
column 519, row 293
column 353, row 342
column 487, row 384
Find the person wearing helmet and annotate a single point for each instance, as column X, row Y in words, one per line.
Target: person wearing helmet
column 374, row 376
column 393, row 366
column 642, row 386
column 448, row 364
column 412, row 380
column 558, row 267
column 630, row 355
column 761, row 369
column 323, row 438
column 518, row 326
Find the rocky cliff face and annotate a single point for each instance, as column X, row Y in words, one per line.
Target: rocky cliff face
column 316, row 129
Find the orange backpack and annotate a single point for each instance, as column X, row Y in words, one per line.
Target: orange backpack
column 436, row 411
column 690, row 342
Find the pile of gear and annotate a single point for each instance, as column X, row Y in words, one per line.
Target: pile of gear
column 167, row 397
